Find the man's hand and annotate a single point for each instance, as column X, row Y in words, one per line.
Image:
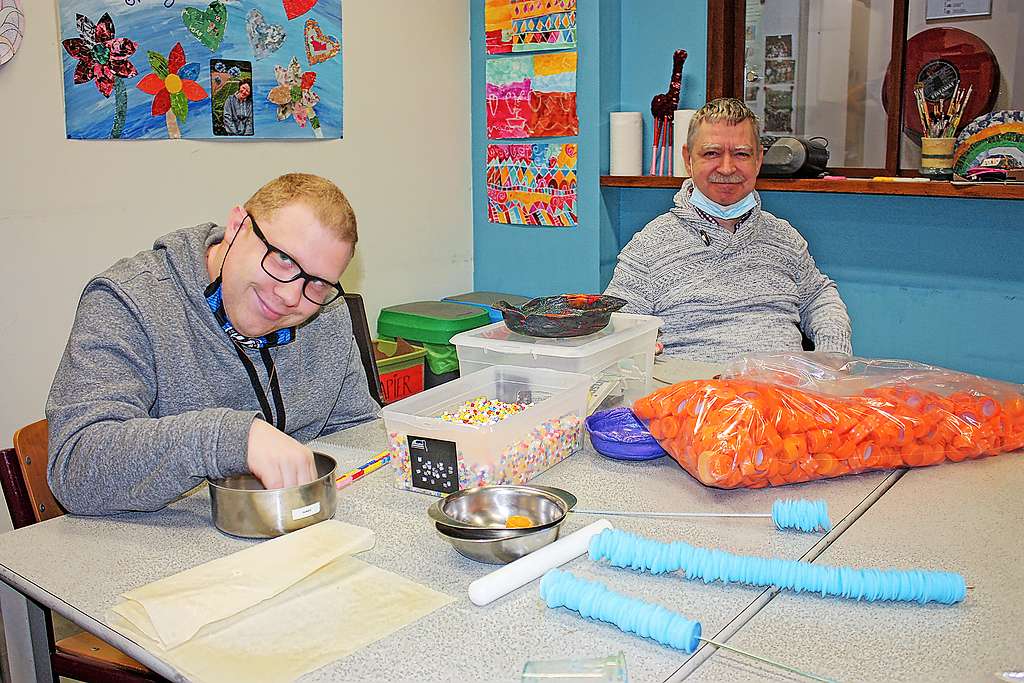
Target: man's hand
column 276, row 459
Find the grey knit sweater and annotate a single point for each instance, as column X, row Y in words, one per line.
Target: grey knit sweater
column 151, row 398
column 725, row 294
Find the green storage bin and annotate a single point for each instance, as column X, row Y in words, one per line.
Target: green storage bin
column 432, row 324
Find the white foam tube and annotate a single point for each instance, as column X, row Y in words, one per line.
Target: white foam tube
column 503, row 581
column 681, row 124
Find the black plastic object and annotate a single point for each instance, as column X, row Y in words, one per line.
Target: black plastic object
column 619, row 435
column 794, row 157
column 565, row 315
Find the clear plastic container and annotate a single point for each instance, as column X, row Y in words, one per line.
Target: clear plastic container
column 611, row 669
column 439, row 457
column 618, row 359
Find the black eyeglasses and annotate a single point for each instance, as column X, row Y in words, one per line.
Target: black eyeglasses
column 283, row 268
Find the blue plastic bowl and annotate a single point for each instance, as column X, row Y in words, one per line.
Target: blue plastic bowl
column 619, row 435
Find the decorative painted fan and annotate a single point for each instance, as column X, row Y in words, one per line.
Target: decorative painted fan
column 1001, row 132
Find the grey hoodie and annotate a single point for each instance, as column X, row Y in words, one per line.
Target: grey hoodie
column 723, row 294
column 151, row 398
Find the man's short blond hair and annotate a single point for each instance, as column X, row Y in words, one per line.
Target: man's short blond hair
column 324, row 198
column 724, row 110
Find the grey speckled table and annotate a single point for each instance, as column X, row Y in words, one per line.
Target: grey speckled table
column 78, row 566
column 964, row 517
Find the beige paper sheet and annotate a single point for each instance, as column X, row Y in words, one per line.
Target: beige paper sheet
column 173, row 609
column 274, row 611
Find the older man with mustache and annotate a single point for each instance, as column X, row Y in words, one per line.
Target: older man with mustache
column 727, row 277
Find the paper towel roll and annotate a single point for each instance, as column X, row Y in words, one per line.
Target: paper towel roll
column 503, row 581
column 627, row 141
column 680, row 126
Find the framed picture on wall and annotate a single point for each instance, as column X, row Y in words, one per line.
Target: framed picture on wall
column 952, row 9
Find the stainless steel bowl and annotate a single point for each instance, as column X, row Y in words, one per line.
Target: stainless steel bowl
column 503, row 550
column 473, row 520
column 242, row 507
column 489, row 507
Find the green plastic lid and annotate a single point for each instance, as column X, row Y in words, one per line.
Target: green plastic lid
column 429, row 321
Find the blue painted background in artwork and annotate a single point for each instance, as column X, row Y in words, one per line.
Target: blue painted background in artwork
column 156, row 27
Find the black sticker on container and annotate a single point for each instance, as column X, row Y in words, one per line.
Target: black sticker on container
column 434, row 464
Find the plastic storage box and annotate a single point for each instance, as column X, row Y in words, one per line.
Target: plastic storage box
column 400, row 365
column 619, row 358
column 439, row 457
column 485, row 300
column 432, row 324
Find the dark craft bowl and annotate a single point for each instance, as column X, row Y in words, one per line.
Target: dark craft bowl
column 565, row 315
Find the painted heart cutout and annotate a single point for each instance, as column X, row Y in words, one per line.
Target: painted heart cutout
column 207, row 25
column 264, row 38
column 319, row 47
column 295, row 8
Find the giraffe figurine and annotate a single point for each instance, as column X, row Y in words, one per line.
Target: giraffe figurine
column 663, row 107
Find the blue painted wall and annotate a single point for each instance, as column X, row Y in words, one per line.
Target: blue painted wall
column 933, row 279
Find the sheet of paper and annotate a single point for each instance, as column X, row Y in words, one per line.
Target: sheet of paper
column 173, row 609
column 341, row 608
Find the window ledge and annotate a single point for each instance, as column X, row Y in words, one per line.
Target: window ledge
column 934, row 188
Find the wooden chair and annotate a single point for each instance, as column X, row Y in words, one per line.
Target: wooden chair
column 364, row 341
column 82, row 656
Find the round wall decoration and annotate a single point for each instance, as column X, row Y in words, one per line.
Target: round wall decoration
column 942, row 59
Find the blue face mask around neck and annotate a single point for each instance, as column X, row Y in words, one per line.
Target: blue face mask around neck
column 715, row 209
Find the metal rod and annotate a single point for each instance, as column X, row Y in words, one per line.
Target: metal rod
column 780, row 665
column 669, row 514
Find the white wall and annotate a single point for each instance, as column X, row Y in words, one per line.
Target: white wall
column 68, row 209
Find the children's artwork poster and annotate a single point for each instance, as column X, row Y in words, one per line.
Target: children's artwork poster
column 779, row 70
column 778, row 98
column 529, row 25
column 532, row 184
column 224, row 69
column 532, row 96
column 778, row 47
column 778, row 120
column 778, row 109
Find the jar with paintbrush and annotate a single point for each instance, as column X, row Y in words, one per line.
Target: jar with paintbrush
column 940, row 120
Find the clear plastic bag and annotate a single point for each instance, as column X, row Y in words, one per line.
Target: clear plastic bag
column 786, row 418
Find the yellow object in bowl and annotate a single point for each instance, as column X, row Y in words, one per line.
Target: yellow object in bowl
column 518, row 522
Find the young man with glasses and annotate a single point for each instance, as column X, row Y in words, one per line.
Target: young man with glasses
column 217, row 352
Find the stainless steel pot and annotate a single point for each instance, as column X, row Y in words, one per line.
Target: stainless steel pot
column 242, row 507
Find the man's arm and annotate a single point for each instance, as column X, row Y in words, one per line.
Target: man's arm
column 354, row 404
column 107, row 454
column 632, row 278
column 823, row 315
